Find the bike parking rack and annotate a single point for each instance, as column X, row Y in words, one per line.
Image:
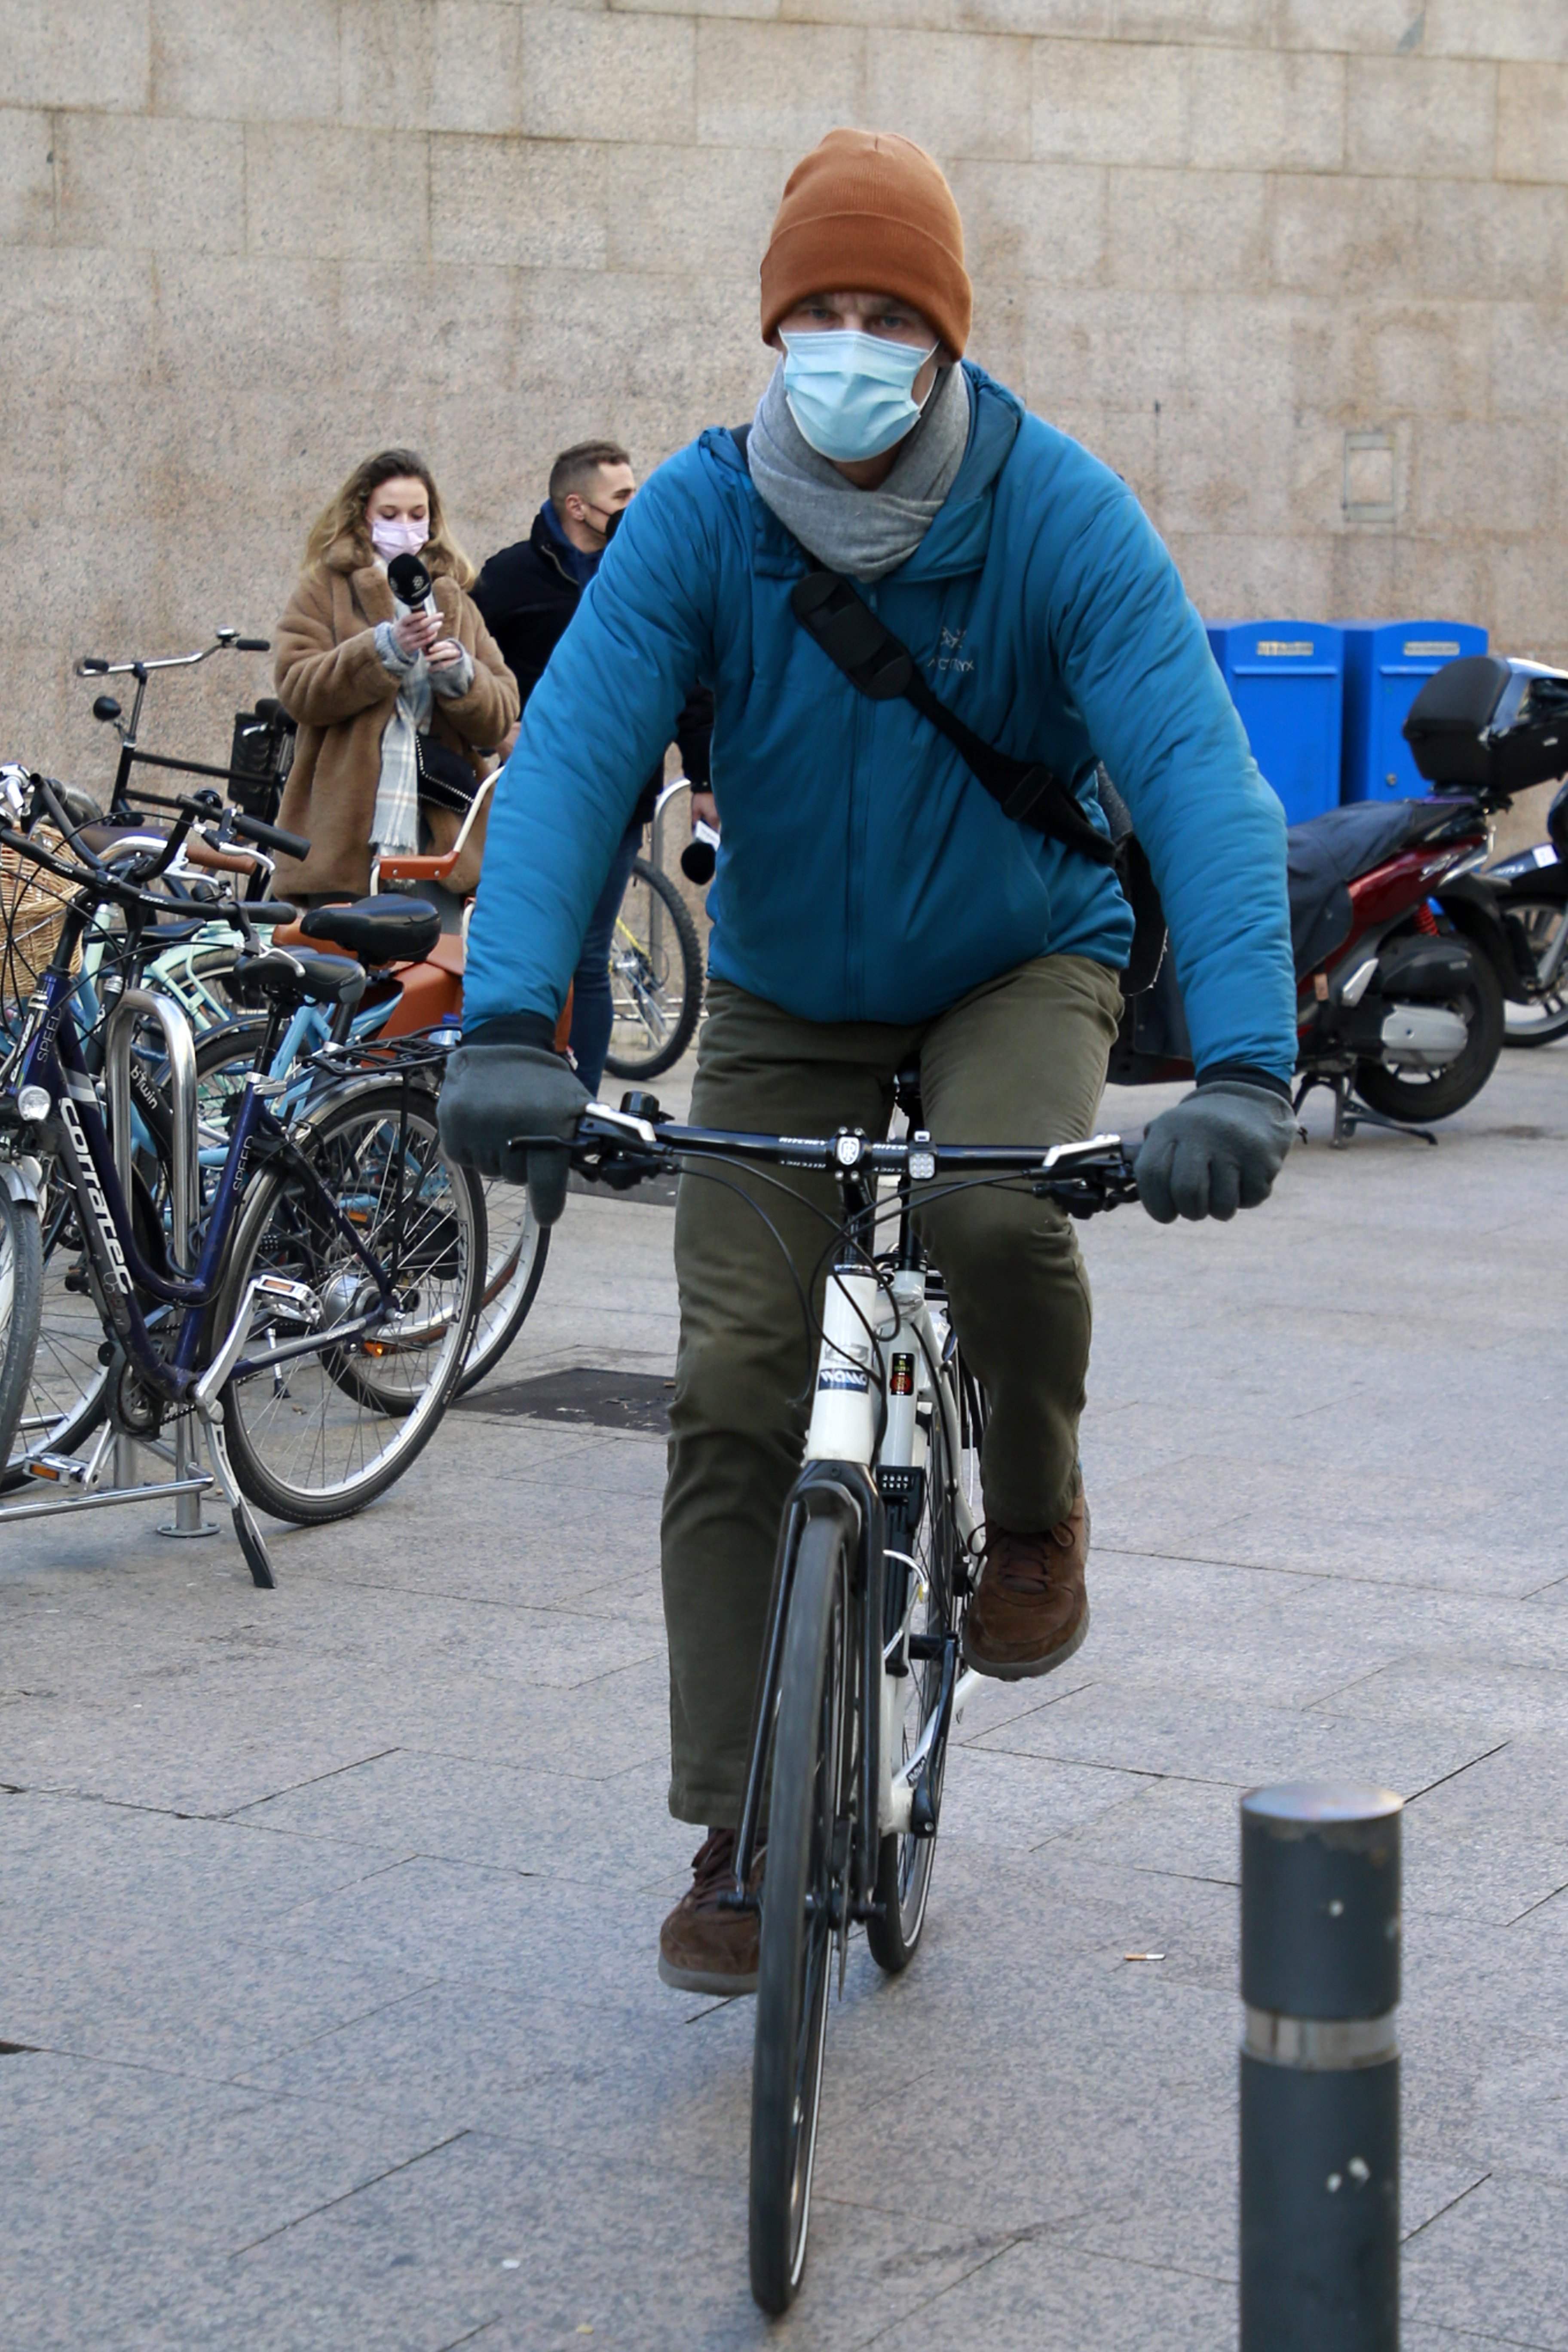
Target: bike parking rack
column 190, row 1482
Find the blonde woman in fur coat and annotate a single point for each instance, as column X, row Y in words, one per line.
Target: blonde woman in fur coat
column 362, row 678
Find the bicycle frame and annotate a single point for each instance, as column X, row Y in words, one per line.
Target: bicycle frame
column 881, row 1360
column 882, row 1374
column 51, row 1058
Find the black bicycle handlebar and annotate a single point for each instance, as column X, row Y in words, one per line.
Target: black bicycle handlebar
column 270, row 836
column 625, row 1149
column 204, row 806
column 224, row 641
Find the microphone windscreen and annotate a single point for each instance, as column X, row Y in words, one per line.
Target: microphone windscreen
column 408, row 579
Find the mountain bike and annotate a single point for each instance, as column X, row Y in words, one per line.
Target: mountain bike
column 309, row 1311
column 859, row 1684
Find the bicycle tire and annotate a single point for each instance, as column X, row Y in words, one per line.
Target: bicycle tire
column 812, row 1771
column 69, row 1386
column 645, row 988
column 516, row 1265
column 1545, row 1019
column 905, row 1860
column 445, row 1244
column 508, row 1293
column 21, row 1309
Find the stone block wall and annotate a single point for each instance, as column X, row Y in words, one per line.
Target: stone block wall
column 1298, row 268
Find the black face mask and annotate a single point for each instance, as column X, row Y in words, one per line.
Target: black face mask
column 613, row 524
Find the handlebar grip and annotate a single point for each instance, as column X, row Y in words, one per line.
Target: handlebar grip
column 253, row 644
column 91, row 666
column 270, row 836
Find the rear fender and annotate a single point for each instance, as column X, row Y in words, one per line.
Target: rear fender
column 1534, row 875
column 1470, row 905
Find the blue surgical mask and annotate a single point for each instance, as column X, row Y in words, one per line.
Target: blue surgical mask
column 849, row 392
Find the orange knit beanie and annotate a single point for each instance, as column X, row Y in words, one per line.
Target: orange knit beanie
column 868, row 211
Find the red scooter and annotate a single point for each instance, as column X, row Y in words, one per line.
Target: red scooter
column 1404, row 957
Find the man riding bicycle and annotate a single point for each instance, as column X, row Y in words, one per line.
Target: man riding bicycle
column 875, row 904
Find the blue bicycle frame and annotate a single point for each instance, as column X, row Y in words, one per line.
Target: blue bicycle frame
column 52, row 1059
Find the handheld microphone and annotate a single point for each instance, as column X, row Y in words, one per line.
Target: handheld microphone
column 410, row 583
column 701, row 855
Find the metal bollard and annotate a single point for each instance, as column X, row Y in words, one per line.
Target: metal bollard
column 1319, row 2069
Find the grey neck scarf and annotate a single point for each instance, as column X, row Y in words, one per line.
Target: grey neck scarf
column 865, row 533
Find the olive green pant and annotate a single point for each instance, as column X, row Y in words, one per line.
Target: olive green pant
column 1021, row 1060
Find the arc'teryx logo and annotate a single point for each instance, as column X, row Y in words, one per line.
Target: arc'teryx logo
column 95, row 1199
column 951, row 654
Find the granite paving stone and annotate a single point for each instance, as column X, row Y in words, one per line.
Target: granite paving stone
column 331, row 1913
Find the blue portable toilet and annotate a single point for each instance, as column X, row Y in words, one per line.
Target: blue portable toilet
column 1286, row 680
column 1386, row 663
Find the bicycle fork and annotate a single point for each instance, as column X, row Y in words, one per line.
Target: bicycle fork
column 835, row 1481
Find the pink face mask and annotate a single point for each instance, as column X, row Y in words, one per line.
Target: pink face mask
column 390, row 537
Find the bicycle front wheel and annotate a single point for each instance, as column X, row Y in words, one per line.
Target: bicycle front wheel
column 321, row 1434
column 21, row 1306
column 804, row 1892
column 655, row 976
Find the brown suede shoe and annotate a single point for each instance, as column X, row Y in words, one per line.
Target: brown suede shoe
column 704, row 1946
column 1030, row 1610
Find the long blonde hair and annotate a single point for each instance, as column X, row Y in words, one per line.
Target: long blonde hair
column 343, row 516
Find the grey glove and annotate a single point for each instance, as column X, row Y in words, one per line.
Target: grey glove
column 1215, row 1152
column 496, row 1087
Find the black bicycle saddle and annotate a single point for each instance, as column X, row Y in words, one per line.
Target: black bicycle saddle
column 295, row 976
column 390, row 929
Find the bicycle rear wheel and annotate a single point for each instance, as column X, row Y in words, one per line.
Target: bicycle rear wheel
column 925, row 1533
column 324, row 1432
column 804, row 1892
column 21, row 1305
column 517, row 1247
column 655, row 976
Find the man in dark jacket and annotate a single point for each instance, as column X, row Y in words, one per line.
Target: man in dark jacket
column 528, row 595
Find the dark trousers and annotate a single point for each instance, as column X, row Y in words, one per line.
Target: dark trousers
column 1021, row 1060
column 593, row 1011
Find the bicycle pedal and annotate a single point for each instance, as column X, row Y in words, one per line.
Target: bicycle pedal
column 61, row 1469
column 296, row 1300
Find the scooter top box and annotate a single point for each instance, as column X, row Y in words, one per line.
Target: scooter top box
column 1492, row 725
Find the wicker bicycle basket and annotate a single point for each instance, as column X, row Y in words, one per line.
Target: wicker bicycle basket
column 33, row 906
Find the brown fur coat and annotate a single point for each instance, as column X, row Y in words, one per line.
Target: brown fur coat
column 333, row 683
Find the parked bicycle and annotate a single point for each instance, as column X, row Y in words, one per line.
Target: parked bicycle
column 860, row 1682
column 107, row 709
column 310, row 1313
column 656, row 976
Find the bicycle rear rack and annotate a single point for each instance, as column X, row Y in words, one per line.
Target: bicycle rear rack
column 190, row 1482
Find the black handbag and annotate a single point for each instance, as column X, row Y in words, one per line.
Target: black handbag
column 445, row 780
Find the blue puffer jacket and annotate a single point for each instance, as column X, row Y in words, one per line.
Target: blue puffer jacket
column 865, row 874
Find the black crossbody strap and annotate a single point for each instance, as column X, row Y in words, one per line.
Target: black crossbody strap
column 878, row 665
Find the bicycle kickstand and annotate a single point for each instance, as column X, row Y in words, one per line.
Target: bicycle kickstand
column 245, row 1527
